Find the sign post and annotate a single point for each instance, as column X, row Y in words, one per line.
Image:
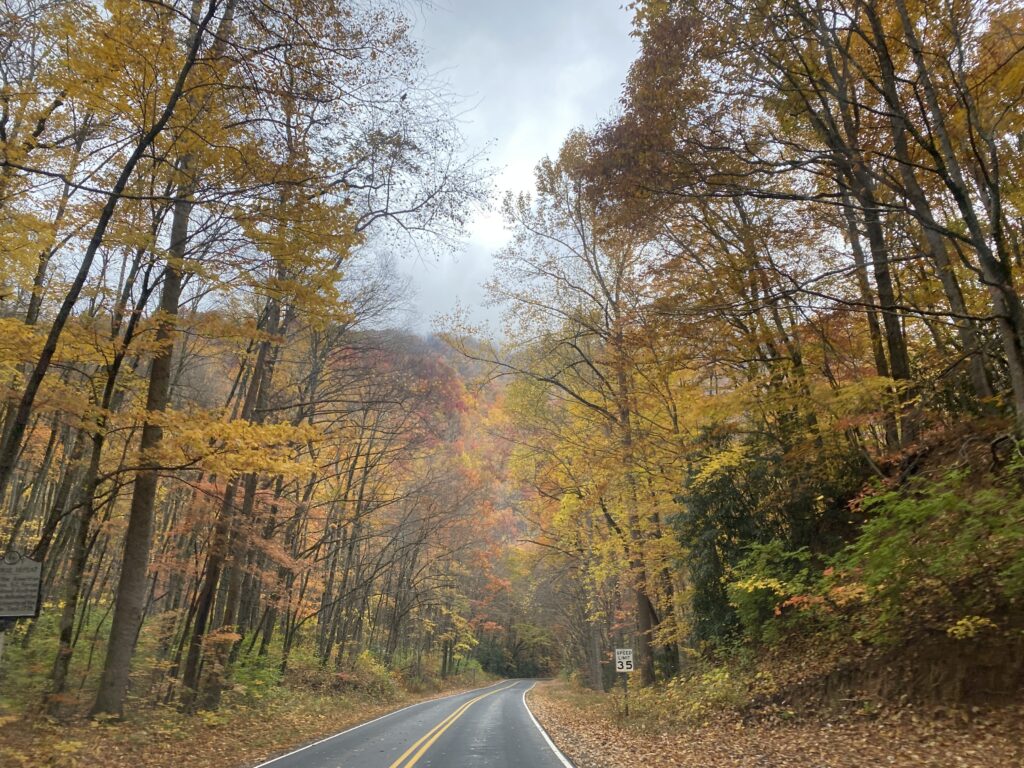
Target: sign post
column 20, row 584
column 624, row 665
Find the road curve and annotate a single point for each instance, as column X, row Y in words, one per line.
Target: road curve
column 486, row 728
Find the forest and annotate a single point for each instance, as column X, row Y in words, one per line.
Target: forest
column 754, row 409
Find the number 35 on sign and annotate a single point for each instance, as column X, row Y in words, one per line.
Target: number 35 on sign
column 623, row 659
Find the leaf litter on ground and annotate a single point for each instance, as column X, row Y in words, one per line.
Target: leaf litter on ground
column 592, row 731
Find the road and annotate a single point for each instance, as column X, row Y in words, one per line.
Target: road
column 486, row 728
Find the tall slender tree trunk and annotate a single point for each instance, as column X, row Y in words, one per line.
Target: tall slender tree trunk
column 72, row 593
column 219, row 550
column 895, row 340
column 130, row 597
column 88, row 488
column 966, row 327
column 645, row 618
column 205, row 599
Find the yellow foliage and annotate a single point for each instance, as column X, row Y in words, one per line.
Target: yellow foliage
column 969, row 627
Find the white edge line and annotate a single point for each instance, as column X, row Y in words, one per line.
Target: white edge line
column 556, row 750
column 377, row 719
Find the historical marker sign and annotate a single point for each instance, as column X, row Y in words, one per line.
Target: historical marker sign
column 623, row 659
column 19, row 586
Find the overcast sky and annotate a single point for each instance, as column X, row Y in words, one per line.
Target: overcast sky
column 531, row 70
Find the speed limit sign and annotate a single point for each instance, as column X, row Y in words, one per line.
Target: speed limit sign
column 623, row 659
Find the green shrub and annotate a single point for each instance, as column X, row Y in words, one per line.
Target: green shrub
column 763, row 580
column 936, row 553
column 785, row 491
column 939, row 556
column 256, row 677
column 368, row 675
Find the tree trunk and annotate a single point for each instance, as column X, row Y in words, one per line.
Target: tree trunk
column 130, row 598
column 966, row 327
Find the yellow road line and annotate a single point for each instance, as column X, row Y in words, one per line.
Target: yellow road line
column 435, row 733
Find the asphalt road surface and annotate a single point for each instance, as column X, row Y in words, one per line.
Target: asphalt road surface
column 486, row 728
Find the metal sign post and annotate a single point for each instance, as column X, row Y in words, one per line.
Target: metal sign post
column 20, row 585
column 624, row 665
column 5, row 624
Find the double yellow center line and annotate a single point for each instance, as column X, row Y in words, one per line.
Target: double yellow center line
column 427, row 740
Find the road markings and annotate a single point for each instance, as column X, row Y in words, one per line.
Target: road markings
column 556, row 750
column 369, row 722
column 426, row 741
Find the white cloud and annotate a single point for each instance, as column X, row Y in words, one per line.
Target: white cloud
column 488, row 231
column 535, row 69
